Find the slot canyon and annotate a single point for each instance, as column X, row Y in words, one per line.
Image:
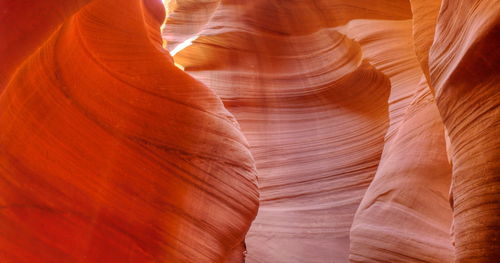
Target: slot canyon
column 258, row 131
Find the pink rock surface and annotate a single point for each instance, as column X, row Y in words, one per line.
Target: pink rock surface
column 464, row 60
column 367, row 131
column 258, row 55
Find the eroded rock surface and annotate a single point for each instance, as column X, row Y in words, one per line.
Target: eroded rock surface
column 261, row 56
column 369, row 129
column 110, row 153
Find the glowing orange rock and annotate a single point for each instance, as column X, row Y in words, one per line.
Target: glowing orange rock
column 109, row 153
column 373, row 124
column 24, row 25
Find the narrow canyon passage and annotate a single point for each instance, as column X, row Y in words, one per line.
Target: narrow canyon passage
column 260, row 131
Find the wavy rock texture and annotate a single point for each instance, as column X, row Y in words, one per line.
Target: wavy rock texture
column 109, row 153
column 425, row 14
column 21, row 36
column 405, row 215
column 187, row 20
column 262, row 57
column 312, row 110
column 414, row 170
column 373, row 126
column 388, row 46
column 464, row 61
column 310, row 183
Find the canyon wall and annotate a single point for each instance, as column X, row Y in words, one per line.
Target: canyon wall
column 110, row 153
column 232, row 131
column 273, row 63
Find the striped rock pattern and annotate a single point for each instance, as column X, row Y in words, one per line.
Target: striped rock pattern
column 261, row 56
column 110, row 153
column 301, row 131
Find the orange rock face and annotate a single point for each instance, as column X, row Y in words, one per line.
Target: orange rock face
column 464, row 62
column 110, row 153
column 303, row 131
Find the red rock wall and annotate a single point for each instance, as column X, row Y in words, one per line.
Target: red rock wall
column 296, row 132
column 25, row 25
column 110, row 153
column 464, row 61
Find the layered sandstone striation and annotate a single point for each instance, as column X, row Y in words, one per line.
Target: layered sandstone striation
column 110, row 153
column 464, row 61
column 261, row 56
column 316, row 126
column 302, row 131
